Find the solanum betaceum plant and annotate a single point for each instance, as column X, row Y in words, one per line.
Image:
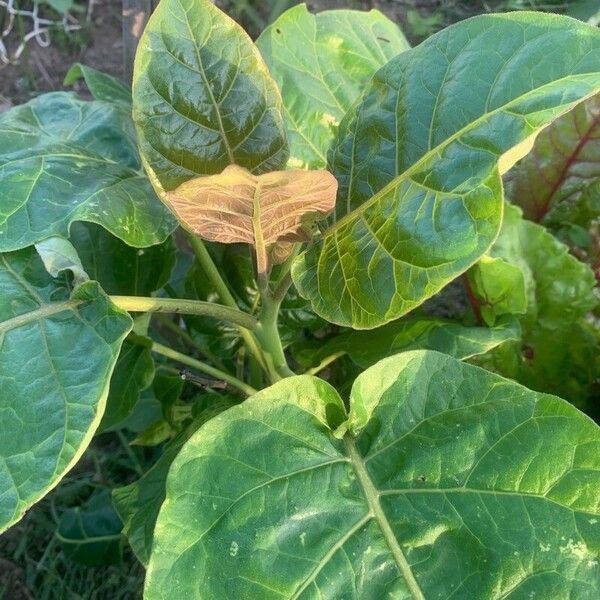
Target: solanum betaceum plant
column 271, row 217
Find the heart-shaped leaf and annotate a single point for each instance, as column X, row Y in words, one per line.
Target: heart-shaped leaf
column 564, row 160
column 203, row 97
column 64, row 160
column 238, row 207
column 321, row 63
column 450, row 480
column 419, row 159
column 57, row 353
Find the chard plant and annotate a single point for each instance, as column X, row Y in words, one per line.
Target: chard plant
column 232, row 260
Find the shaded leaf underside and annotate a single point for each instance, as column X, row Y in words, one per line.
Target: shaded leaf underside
column 236, row 206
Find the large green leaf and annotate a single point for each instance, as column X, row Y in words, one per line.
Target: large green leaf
column 321, row 63
column 202, row 96
column 419, row 159
column 559, row 288
column 64, row 160
column 119, row 268
column 449, row 481
column 57, row 353
column 564, row 160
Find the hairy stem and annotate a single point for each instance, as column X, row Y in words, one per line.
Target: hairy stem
column 188, row 307
column 203, row 367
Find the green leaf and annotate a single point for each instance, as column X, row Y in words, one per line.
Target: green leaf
column 500, row 288
column 559, row 288
column 419, row 157
column 57, row 353
column 557, row 350
column 133, row 373
column 59, row 255
column 138, row 504
column 365, row 348
column 64, row 160
column 121, row 269
column 101, row 86
column 60, row 6
column 203, row 98
column 91, row 534
column 321, row 63
column 564, row 160
column 450, row 481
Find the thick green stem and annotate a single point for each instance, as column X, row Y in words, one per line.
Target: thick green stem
column 187, row 307
column 267, row 334
column 207, row 263
column 203, row 367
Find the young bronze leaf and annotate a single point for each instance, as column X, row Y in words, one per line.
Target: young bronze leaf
column 237, row 206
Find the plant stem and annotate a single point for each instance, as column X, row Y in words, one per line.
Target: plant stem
column 267, row 334
column 475, row 306
column 203, row 367
column 207, row 263
column 188, row 307
column 325, row 363
column 267, row 331
column 137, row 467
column 189, row 340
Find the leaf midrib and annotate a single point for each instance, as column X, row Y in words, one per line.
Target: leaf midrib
column 37, row 315
column 372, row 498
column 406, row 175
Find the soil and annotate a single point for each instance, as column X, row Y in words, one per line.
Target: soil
column 98, row 45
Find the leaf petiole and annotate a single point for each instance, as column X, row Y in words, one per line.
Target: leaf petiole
column 189, row 307
column 203, row 367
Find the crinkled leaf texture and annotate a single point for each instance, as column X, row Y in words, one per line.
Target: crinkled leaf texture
column 321, row 63
column 419, row 158
column 64, row 160
column 564, row 160
column 239, row 207
column 450, row 480
column 57, row 354
column 203, row 97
